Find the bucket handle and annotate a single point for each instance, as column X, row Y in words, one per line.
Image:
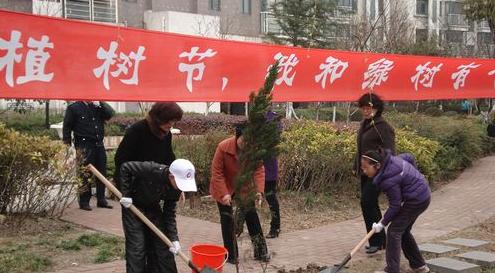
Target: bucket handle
column 224, row 262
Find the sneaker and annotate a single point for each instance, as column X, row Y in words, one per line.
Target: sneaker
column 422, row 269
column 381, row 271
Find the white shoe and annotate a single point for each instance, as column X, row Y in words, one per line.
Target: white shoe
column 422, row 269
column 381, row 271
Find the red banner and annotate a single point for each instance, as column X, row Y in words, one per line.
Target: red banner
column 52, row 58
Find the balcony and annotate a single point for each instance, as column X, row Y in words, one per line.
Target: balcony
column 457, row 20
column 484, row 25
column 269, row 23
column 91, row 10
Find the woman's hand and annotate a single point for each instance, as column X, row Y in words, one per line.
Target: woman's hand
column 226, row 200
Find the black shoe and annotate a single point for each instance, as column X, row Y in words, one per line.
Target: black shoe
column 86, row 207
column 106, row 206
column 373, row 249
column 232, row 261
column 263, row 258
column 273, row 234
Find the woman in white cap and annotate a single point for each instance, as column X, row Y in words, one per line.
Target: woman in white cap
column 145, row 184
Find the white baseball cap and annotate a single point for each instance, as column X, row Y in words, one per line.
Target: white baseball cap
column 183, row 172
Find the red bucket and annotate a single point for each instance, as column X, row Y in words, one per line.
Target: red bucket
column 211, row 255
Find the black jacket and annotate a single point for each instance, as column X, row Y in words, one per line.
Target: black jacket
column 372, row 134
column 87, row 121
column 147, row 183
column 140, row 144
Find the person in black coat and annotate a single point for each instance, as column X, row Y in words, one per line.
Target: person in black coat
column 145, row 185
column 87, row 121
column 374, row 132
column 149, row 139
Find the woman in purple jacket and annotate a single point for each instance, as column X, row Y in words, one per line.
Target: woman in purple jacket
column 408, row 194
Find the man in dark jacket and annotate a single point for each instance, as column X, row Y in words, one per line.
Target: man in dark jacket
column 87, row 121
column 145, row 184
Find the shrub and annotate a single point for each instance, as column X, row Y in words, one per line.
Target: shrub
column 32, row 123
column 462, row 139
column 36, row 174
column 433, row 111
column 318, row 157
column 200, row 151
column 315, row 157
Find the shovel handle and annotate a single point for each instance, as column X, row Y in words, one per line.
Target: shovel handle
column 362, row 242
column 141, row 216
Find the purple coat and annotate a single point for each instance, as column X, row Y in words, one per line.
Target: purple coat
column 271, row 165
column 402, row 183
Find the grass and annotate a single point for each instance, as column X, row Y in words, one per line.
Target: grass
column 54, row 247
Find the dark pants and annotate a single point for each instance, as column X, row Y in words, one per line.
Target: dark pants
column 254, row 227
column 271, row 198
column 399, row 236
column 94, row 154
column 144, row 251
column 371, row 210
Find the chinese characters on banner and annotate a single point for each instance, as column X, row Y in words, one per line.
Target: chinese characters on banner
column 103, row 62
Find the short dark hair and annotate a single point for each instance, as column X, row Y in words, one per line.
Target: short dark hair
column 373, row 100
column 163, row 112
column 239, row 128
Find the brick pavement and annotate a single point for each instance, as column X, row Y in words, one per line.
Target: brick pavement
column 464, row 202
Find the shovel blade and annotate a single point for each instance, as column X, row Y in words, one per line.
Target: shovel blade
column 332, row 269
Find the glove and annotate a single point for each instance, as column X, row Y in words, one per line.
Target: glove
column 175, row 248
column 126, row 202
column 378, row 227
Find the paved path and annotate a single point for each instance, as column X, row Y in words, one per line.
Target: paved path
column 462, row 203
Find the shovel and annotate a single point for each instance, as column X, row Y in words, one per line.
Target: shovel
column 337, row 268
column 145, row 220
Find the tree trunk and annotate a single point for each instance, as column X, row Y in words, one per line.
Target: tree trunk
column 334, row 116
column 318, row 105
column 47, row 114
column 491, row 24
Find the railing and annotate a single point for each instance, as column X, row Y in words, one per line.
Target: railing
column 484, row 24
column 457, row 20
column 269, row 23
column 92, row 10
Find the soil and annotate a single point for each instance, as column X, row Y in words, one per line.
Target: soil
column 41, row 237
column 298, row 210
column 484, row 231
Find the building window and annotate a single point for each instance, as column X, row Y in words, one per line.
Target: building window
column 452, row 36
column 264, row 5
column 455, row 8
column 215, row 5
column 421, row 35
column 422, row 7
column 484, row 38
column 246, row 6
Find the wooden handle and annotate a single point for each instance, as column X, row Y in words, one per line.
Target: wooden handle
column 362, row 242
column 141, row 216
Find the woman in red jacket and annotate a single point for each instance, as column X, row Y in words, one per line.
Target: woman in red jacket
column 224, row 169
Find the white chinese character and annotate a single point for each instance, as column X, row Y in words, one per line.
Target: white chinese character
column 127, row 62
column 377, row 73
column 426, row 74
column 123, row 62
column 190, row 68
column 36, row 60
column 460, row 76
column 286, row 65
column 334, row 67
column 11, row 57
column 108, row 58
column 491, row 73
